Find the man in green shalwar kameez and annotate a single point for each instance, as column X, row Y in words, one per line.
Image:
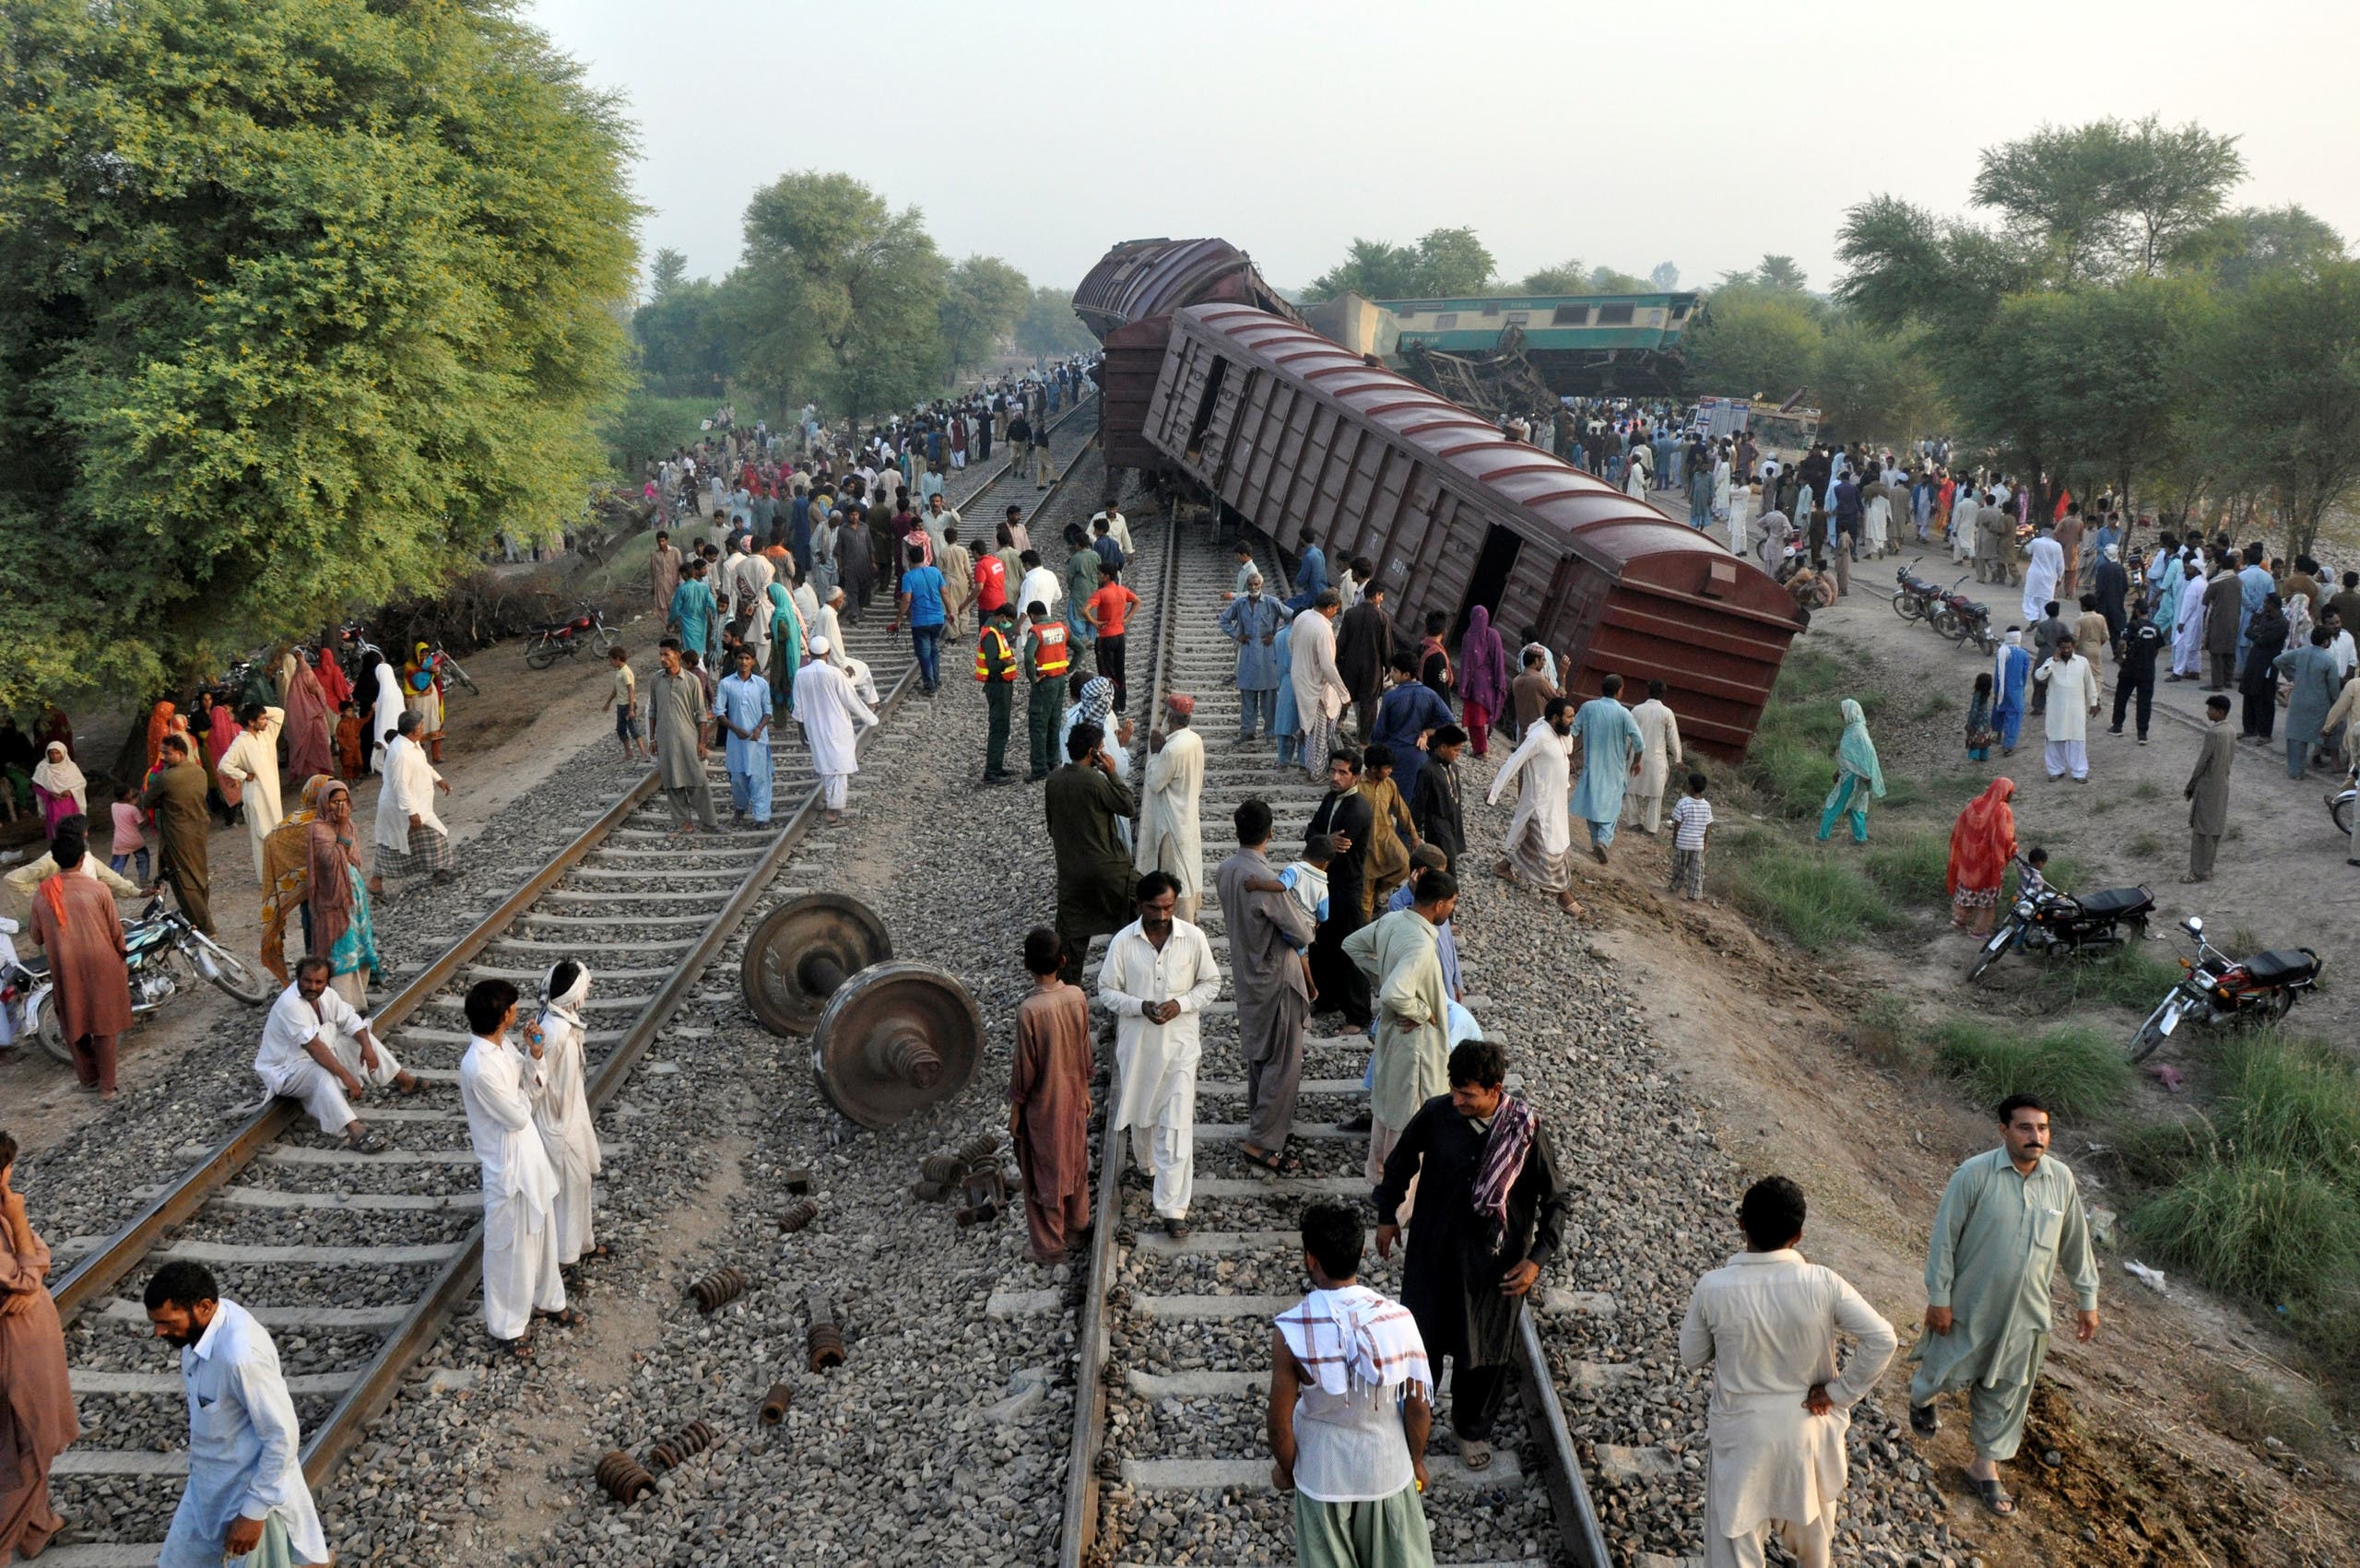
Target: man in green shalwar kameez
column 1402, row 955
column 2008, row 1219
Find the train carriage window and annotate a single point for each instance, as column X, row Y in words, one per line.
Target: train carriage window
column 1445, row 320
column 1517, row 318
column 1614, row 315
column 1206, row 405
column 1680, row 315
column 1570, row 315
column 1491, row 310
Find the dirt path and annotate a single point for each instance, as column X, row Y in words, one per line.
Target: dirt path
column 497, row 747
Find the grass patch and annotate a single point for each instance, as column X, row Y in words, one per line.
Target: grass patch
column 2078, row 1073
column 2125, row 977
column 1911, row 867
column 2252, row 1410
column 1814, row 898
column 2254, row 1228
column 2294, row 1102
column 2145, row 846
column 2146, row 789
column 1934, row 707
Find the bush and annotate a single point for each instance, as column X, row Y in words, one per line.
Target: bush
column 1813, row 897
column 2293, row 1103
column 2255, row 1228
column 2076, row 1072
column 1911, row 867
column 1794, row 773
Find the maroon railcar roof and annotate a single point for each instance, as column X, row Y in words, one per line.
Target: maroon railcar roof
column 1141, row 279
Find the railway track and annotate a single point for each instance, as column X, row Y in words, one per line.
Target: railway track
column 361, row 1260
column 1168, row 1459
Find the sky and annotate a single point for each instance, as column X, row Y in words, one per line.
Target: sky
column 1705, row 134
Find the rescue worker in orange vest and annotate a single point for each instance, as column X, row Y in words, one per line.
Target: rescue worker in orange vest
column 1046, row 659
column 996, row 668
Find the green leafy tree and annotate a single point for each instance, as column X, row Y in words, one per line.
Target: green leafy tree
column 2280, row 374
column 665, row 272
column 1609, row 280
column 2108, row 198
column 1048, row 326
column 1453, row 261
column 301, row 302
column 2239, row 247
column 981, row 297
column 1568, row 277
column 685, row 342
column 1443, row 264
column 836, row 283
column 1665, row 278
column 1779, row 273
column 1751, row 344
column 1875, row 386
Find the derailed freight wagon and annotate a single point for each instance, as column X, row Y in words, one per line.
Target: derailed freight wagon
column 1295, row 432
column 1127, row 301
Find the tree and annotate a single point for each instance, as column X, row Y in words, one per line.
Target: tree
column 299, row 303
column 1874, row 385
column 2279, row 370
column 981, row 299
column 834, row 280
column 1568, row 277
column 1048, row 325
column 1443, row 264
column 1750, row 344
column 1607, row 280
column 2108, row 198
column 2239, row 247
column 1905, row 266
column 1666, row 278
column 665, row 273
column 684, row 336
column 1779, row 273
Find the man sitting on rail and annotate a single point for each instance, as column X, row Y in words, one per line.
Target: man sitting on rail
column 316, row 1049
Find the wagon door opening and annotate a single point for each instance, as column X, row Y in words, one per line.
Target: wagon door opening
column 1207, row 403
column 1489, row 582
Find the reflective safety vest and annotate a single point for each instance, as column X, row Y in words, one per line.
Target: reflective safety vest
column 1051, row 658
column 990, row 648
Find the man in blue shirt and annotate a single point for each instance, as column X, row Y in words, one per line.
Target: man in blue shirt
column 742, row 703
column 1310, row 575
column 922, row 609
column 2254, row 585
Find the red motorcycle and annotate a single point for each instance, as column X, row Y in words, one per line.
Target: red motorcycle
column 551, row 641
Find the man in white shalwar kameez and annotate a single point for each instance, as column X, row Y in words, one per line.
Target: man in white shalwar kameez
column 2044, row 569
column 1540, row 836
column 562, row 1110
column 2072, row 703
column 1320, row 690
column 1157, row 976
column 825, row 631
column 1168, row 837
column 2188, row 623
column 253, row 761
column 410, row 838
column 1766, row 1323
column 316, row 1049
column 832, row 715
column 498, row 1084
column 1659, row 754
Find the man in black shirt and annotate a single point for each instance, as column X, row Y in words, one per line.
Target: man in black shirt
column 2135, row 651
column 1345, row 817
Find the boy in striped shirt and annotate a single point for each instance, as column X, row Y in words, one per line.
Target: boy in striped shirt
column 1692, row 824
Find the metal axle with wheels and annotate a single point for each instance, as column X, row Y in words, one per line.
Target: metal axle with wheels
column 801, row 954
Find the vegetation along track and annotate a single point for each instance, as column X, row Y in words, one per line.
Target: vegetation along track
column 392, row 1243
column 1170, row 1462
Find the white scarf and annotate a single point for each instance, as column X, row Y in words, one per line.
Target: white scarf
column 62, row 777
column 568, row 1006
column 1354, row 1336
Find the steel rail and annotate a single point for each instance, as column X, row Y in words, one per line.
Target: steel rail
column 105, row 1266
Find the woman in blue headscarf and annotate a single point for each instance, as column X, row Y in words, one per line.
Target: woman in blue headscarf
column 1858, row 777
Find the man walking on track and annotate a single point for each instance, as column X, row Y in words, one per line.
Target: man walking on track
column 829, row 706
column 1611, row 746
column 1107, row 613
column 676, row 710
column 1158, row 977
column 1169, row 839
column 1267, row 933
column 1048, row 1100
column 1540, row 835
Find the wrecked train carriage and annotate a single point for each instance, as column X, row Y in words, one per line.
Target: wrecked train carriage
column 1296, row 433
column 1127, row 301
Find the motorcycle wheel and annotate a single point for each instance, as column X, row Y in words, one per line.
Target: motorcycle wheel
column 1907, row 606
column 2151, row 1033
column 242, row 978
column 1945, row 621
column 53, row 1032
column 2274, row 1010
column 2340, row 812
column 1994, row 948
column 540, row 656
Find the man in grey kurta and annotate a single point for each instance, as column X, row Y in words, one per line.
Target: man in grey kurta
column 676, row 707
column 2313, row 681
column 2208, row 791
column 2010, row 1217
column 1252, row 621
column 1402, row 958
column 1267, row 933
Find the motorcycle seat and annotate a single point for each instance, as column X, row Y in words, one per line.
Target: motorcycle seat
column 548, row 626
column 2280, row 965
column 2115, row 904
column 35, row 963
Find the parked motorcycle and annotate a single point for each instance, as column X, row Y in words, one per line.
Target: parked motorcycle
column 1961, row 618
column 2340, row 806
column 165, row 955
column 2219, row 989
column 1914, row 596
column 2051, row 923
column 553, row 640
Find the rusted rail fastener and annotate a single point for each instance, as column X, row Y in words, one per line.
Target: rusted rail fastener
column 775, row 1404
column 625, row 1479
column 720, row 1286
column 684, row 1444
column 825, row 1338
column 797, row 1215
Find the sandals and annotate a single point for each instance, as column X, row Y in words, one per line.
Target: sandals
column 519, row 1349
column 1276, row 1165
column 1924, row 1421
column 564, row 1317
column 1994, row 1498
column 370, row 1141
column 1475, row 1454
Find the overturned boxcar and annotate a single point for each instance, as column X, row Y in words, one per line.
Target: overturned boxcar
column 1298, row 433
column 1127, row 301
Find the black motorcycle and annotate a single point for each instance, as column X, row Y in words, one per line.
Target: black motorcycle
column 2219, row 989
column 2051, row 923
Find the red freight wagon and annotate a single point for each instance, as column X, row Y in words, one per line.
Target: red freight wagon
column 1127, row 301
column 1295, row 432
